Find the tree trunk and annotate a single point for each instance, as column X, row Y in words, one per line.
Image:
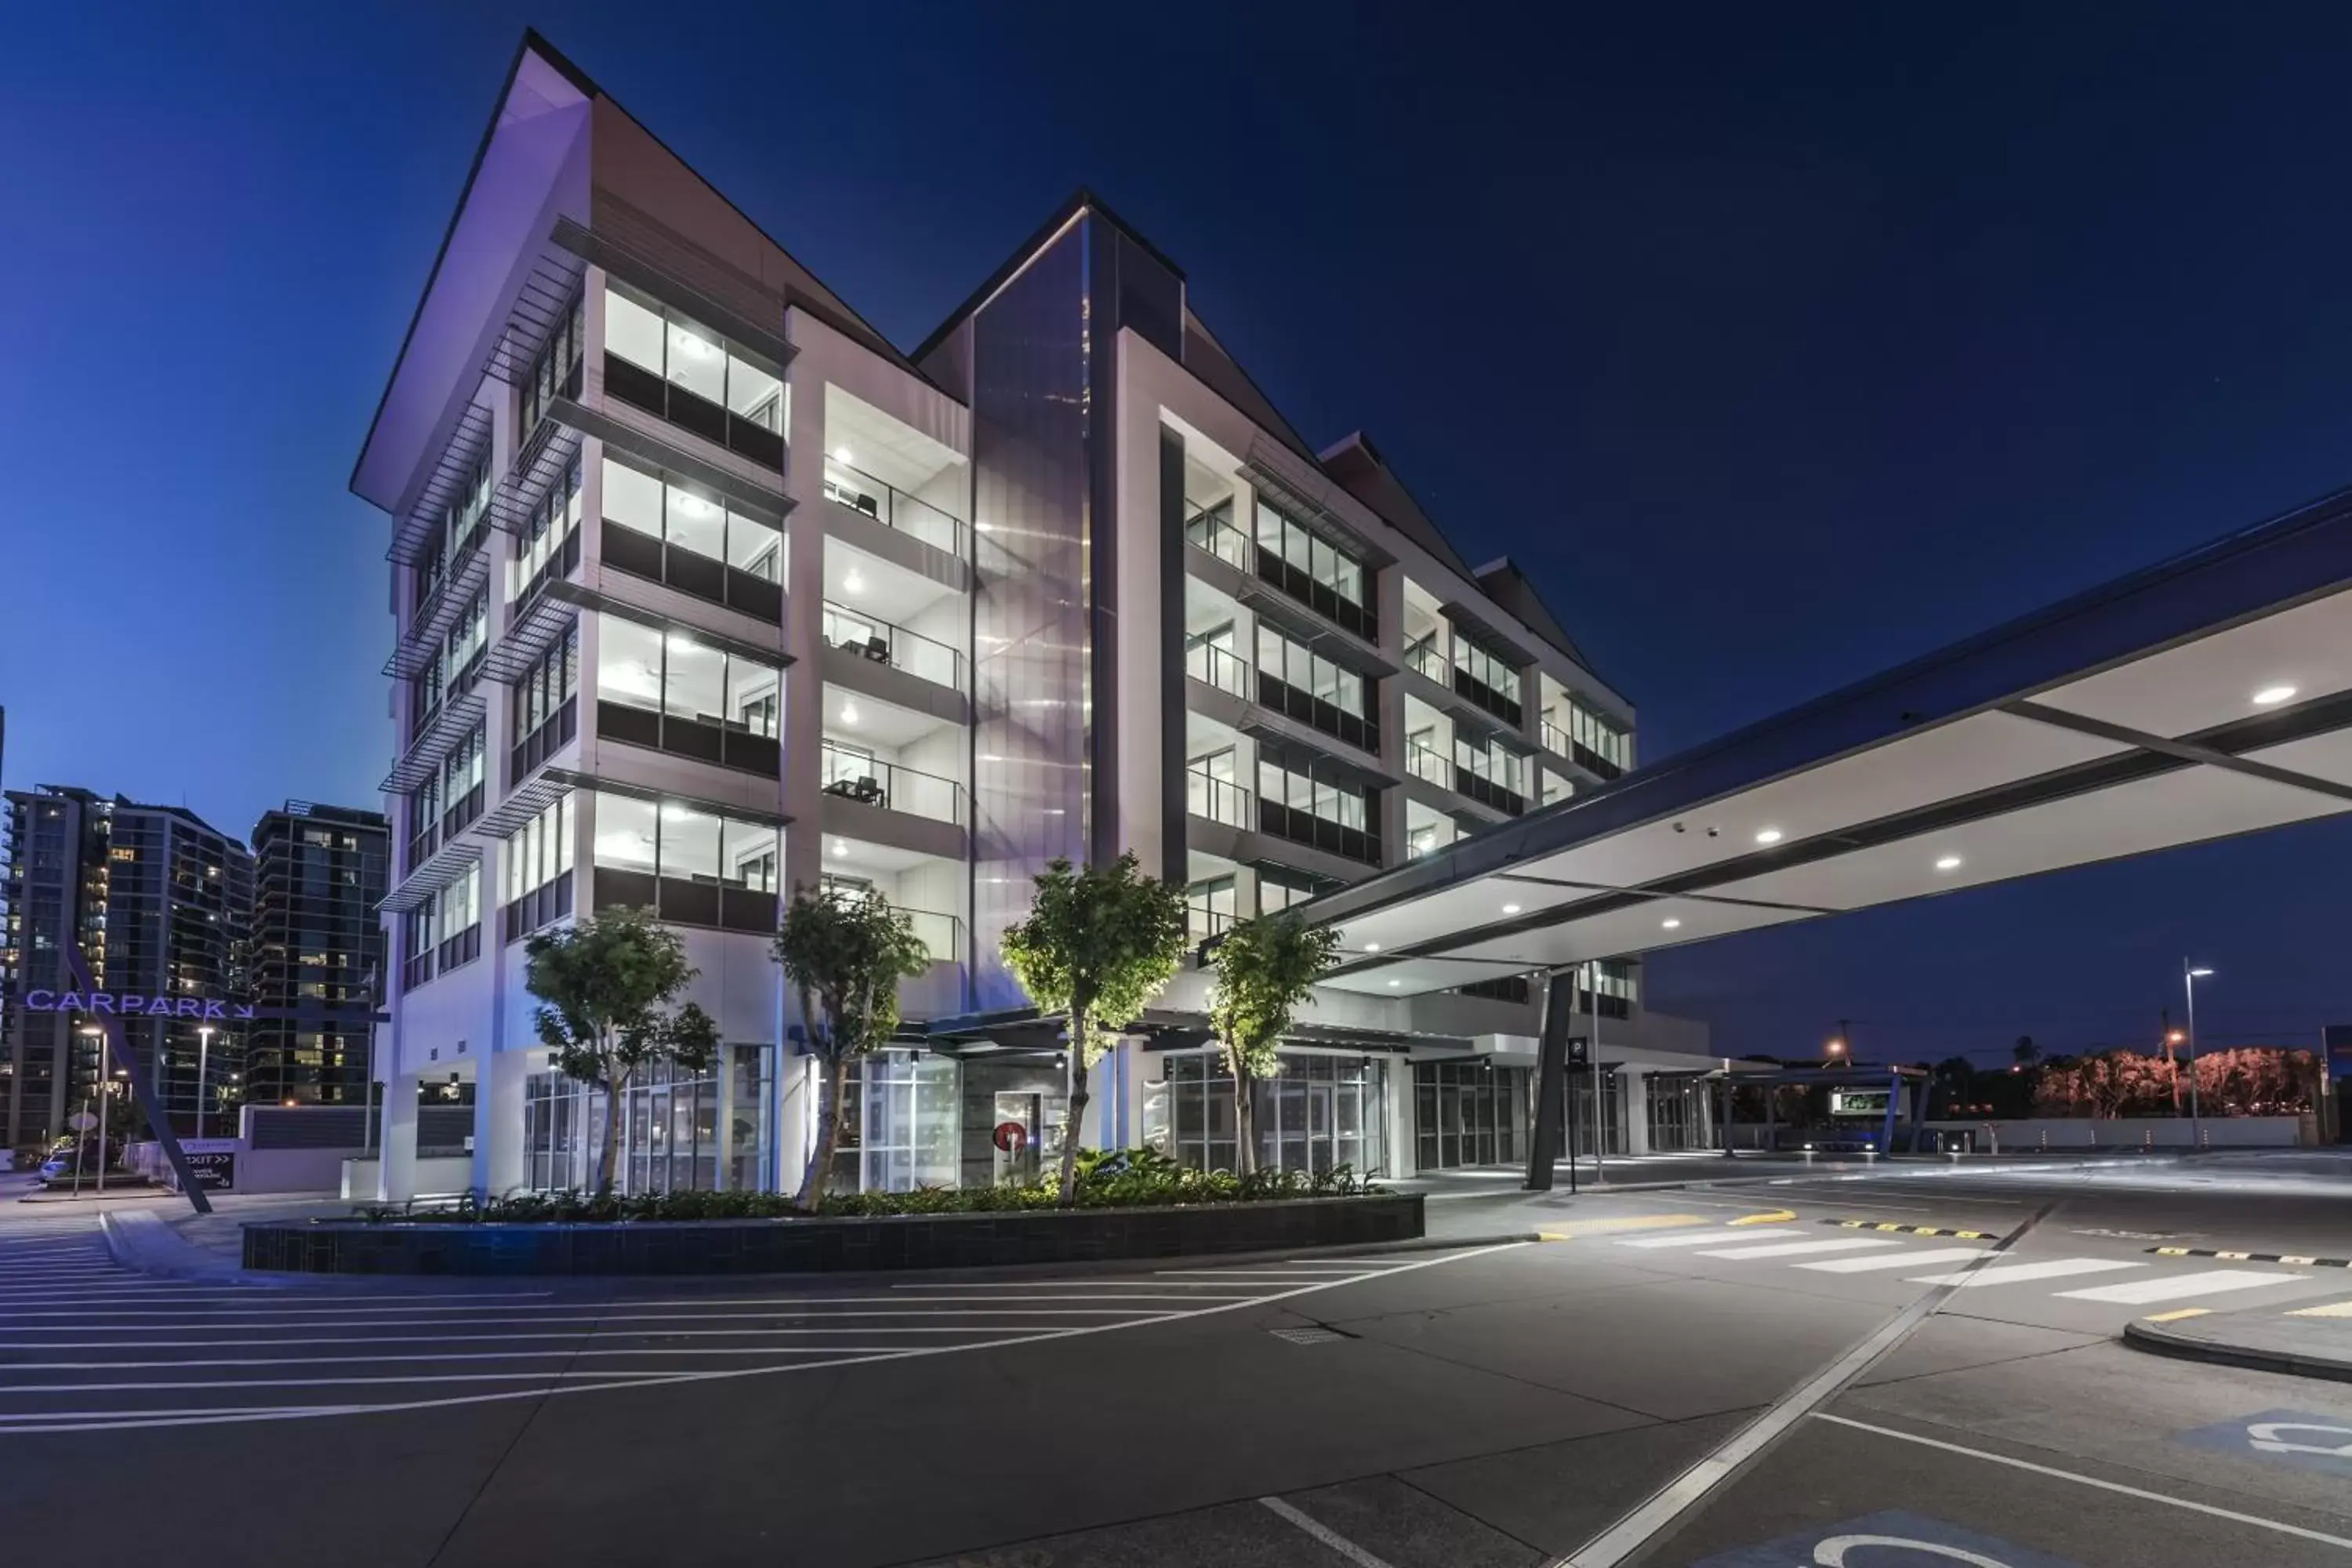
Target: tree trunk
column 819, row 1174
column 1245, row 1123
column 608, row 1156
column 1077, row 1113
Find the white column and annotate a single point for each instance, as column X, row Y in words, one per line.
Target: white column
column 1396, row 1113
column 796, row 1096
column 396, row 1167
column 1635, row 1084
column 498, row 1083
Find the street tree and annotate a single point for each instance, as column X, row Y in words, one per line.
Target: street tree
column 844, row 955
column 607, row 987
column 1267, row 969
column 1097, row 945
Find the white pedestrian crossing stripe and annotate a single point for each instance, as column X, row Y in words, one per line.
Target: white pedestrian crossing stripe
column 1702, row 1237
column 1793, row 1249
column 2181, row 1286
column 2017, row 1273
column 1906, row 1260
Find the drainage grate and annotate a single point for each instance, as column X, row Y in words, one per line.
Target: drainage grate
column 1309, row 1336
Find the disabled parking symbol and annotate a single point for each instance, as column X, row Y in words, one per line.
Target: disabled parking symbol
column 2297, row 1437
column 1890, row 1539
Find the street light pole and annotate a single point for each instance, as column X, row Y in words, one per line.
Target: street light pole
column 2190, row 976
column 203, row 1070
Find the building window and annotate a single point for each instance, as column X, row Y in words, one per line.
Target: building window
column 546, row 714
column 1318, row 1112
column 1314, row 690
column 675, row 694
column 464, row 525
column 1303, row 797
column 548, row 549
column 555, row 370
column 1315, row 572
column 682, row 371
column 445, row 931
column 902, row 1124
column 689, row 867
column 676, row 1132
column 1596, row 742
column 660, row 526
column 1486, row 680
column 1468, row 1113
column 1280, row 886
column 539, row 872
column 461, row 785
column 1488, row 773
column 1208, row 908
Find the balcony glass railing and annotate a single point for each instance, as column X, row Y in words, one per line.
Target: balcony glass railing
column 1201, row 923
column 1219, row 800
column 863, row 493
column 1429, row 766
column 1214, row 531
column 925, row 658
column 852, row 776
column 941, row 935
column 1213, row 666
column 1554, row 738
column 1424, row 658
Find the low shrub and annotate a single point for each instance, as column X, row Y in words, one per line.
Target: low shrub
column 1130, row 1178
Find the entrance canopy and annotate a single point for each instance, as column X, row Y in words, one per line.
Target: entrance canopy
column 2208, row 696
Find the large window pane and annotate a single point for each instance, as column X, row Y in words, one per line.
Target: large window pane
column 752, row 696
column 689, row 845
column 696, row 523
column 697, row 687
column 697, row 361
column 752, row 546
column 628, row 663
column 633, row 331
column 632, row 497
column 755, row 394
column 750, row 857
column 625, row 831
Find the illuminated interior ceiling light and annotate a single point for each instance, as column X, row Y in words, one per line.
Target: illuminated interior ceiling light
column 853, row 584
column 841, row 454
column 1947, row 863
column 850, row 712
column 682, row 644
column 839, row 847
column 1671, row 923
column 1510, row 909
column 1395, row 983
column 1769, row 836
column 1371, row 947
column 675, row 813
column 2271, row 696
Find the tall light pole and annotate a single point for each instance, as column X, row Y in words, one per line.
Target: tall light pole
column 203, row 1067
column 2190, row 976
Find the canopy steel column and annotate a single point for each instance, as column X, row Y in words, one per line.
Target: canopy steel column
column 1551, row 1078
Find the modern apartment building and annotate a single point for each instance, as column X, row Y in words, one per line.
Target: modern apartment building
column 159, row 901
column 707, row 592
column 318, row 949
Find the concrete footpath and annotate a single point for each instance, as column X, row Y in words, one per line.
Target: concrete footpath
column 2307, row 1341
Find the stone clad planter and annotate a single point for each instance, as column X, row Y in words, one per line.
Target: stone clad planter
column 831, row 1244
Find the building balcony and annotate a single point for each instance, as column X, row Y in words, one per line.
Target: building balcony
column 860, row 492
column 865, row 637
column 864, row 780
column 754, row 592
column 1331, row 849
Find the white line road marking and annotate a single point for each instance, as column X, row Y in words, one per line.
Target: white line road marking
column 1903, row 1260
column 1799, row 1249
column 2017, row 1273
column 2204, row 1507
column 1702, row 1237
column 344, row 1318
column 2180, row 1286
column 106, row 1421
column 568, row 1351
column 1326, row 1534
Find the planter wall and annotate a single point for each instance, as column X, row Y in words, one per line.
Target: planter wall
column 831, row 1245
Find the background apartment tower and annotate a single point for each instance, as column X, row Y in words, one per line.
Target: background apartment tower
column 160, row 901
column 317, row 943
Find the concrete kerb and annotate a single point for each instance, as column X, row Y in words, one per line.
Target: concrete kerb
column 139, row 1239
column 2242, row 1343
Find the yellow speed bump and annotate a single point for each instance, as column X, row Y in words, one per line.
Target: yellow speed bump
column 1775, row 1216
column 2178, row 1313
column 1630, row 1222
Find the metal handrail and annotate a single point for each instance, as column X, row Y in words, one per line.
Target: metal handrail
column 862, row 493
column 898, row 647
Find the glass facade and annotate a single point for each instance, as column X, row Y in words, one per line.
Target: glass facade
column 1305, row 798
column 1468, row 1113
column 902, row 1124
column 691, row 538
column 1318, row 1112
column 691, row 867
column 673, row 693
column 1316, row 572
column 680, row 371
column 672, row 1136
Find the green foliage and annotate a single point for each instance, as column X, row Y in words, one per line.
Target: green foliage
column 1099, row 944
column 1137, row 1178
column 605, row 985
column 845, row 954
column 1267, row 969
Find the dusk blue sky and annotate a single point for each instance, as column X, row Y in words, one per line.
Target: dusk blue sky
column 1779, row 343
